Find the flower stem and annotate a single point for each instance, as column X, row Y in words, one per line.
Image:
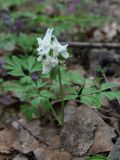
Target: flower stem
column 55, row 115
column 62, row 96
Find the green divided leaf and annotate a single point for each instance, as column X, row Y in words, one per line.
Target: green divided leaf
column 16, row 73
column 94, row 100
column 36, row 101
column 87, row 91
column 7, row 41
column 37, row 67
column 109, row 85
column 8, row 61
column 76, row 77
column 26, row 41
column 111, row 95
column 25, row 79
column 31, row 61
column 16, row 62
column 47, row 94
column 13, row 86
column 29, row 111
column 70, row 97
column 14, row 66
column 41, row 84
column 46, row 103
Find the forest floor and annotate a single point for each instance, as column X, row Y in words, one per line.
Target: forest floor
column 86, row 130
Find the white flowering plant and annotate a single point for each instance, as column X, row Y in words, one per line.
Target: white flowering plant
column 50, row 51
column 51, row 54
column 38, row 81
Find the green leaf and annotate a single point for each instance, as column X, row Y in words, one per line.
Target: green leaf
column 46, row 104
column 13, row 64
column 41, row 84
column 47, row 94
column 9, row 67
column 89, row 82
column 70, row 97
column 93, row 100
column 76, row 77
column 8, row 3
column 8, row 60
column 97, row 157
column 109, row 85
column 24, row 62
column 53, row 73
column 31, row 61
column 1, row 80
column 16, row 62
column 26, row 41
column 87, row 91
column 111, row 95
column 29, row 111
column 31, row 94
column 27, row 14
column 25, row 79
column 16, row 73
column 13, row 86
column 7, row 41
column 70, row 90
column 36, row 101
column 96, row 100
column 37, row 67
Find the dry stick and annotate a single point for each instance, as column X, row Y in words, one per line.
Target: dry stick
column 106, row 80
column 93, row 45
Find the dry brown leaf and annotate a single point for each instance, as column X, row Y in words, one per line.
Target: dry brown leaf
column 77, row 136
column 103, row 134
column 26, row 143
column 20, row 157
column 86, row 133
column 5, row 157
column 27, row 140
column 8, row 137
column 44, row 154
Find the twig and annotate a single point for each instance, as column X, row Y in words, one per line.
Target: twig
column 93, row 45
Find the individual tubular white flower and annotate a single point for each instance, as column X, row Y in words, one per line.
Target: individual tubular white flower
column 49, row 64
column 59, row 49
column 45, row 44
column 46, row 68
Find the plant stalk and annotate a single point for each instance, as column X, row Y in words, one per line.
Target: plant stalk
column 62, row 96
column 55, row 115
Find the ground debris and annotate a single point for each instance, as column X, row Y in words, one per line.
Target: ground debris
column 115, row 153
column 8, row 137
column 86, row 134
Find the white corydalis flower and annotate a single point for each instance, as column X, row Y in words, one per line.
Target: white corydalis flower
column 44, row 45
column 49, row 51
column 49, row 63
column 59, row 49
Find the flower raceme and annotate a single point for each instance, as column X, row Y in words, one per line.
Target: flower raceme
column 50, row 51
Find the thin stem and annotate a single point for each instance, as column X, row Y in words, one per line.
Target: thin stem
column 55, row 115
column 62, row 96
